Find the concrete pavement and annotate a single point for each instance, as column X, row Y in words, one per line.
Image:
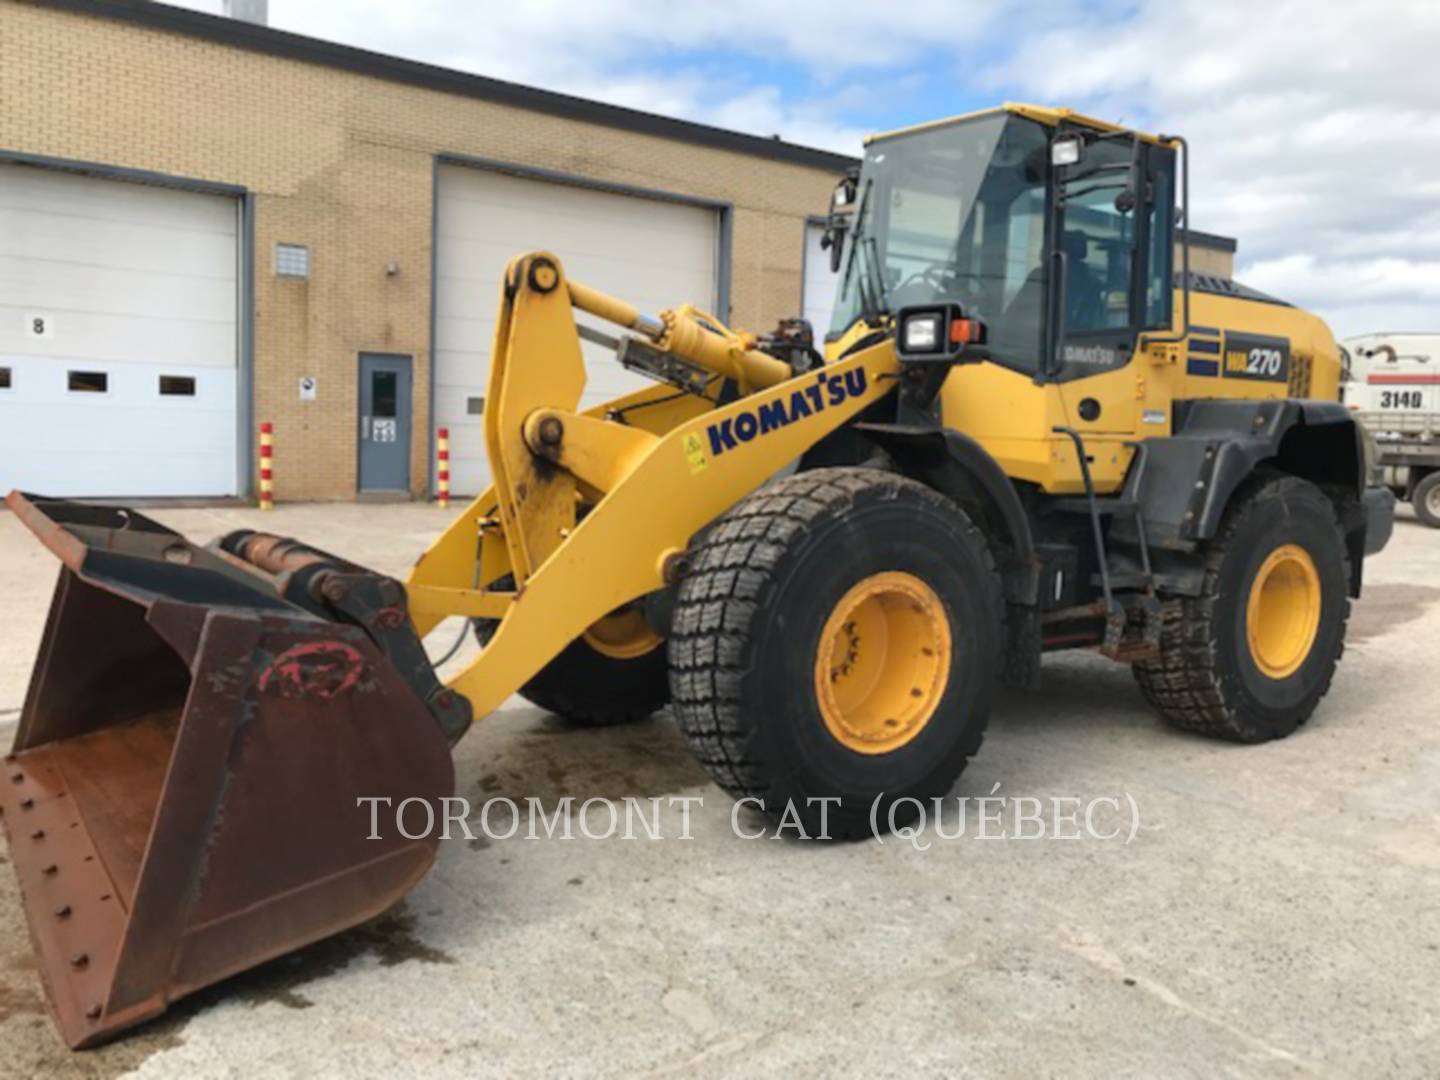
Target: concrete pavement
column 1277, row 913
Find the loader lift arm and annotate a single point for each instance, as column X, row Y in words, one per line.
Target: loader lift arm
column 655, row 486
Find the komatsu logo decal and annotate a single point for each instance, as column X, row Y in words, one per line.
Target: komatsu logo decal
column 826, row 391
column 1090, row 355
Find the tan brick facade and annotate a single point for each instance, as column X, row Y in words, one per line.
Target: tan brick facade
column 343, row 162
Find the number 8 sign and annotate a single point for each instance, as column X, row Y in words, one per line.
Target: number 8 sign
column 39, row 325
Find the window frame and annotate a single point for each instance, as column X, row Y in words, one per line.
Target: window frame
column 1125, row 339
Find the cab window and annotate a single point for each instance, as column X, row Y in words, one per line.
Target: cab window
column 1099, row 243
column 1160, row 249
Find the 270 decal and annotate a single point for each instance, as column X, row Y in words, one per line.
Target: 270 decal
column 1255, row 356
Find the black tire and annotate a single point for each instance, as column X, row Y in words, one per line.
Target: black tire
column 1207, row 678
column 1426, row 499
column 746, row 635
column 586, row 687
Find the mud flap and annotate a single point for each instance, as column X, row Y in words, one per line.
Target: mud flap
column 182, row 801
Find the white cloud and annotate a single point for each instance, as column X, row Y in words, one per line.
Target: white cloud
column 1315, row 129
column 693, row 61
column 1315, row 124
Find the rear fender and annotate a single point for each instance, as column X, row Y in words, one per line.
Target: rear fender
column 1189, row 479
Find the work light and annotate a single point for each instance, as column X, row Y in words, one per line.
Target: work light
column 937, row 333
column 1065, row 151
column 921, row 333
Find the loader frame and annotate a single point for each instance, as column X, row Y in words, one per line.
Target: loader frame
column 646, row 473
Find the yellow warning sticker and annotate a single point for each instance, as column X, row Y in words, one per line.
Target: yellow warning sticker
column 695, row 452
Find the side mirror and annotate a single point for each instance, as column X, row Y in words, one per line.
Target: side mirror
column 833, row 241
column 1129, row 196
column 842, row 205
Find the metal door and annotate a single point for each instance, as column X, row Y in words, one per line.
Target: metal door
column 384, row 422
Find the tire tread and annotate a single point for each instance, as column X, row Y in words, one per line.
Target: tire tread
column 733, row 577
column 1185, row 682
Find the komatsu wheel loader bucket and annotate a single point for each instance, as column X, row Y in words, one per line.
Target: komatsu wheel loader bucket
column 182, row 800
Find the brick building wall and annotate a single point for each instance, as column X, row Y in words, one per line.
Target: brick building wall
column 343, row 162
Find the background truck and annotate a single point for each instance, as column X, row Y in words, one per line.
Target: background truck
column 1393, row 384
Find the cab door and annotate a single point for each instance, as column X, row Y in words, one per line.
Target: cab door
column 1099, row 235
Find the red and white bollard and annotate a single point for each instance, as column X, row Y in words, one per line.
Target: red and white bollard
column 442, row 468
column 267, row 440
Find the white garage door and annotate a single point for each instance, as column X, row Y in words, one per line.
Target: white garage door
column 820, row 283
column 118, row 337
column 652, row 253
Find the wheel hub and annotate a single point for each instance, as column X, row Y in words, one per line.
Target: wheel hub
column 883, row 662
column 622, row 635
column 1282, row 616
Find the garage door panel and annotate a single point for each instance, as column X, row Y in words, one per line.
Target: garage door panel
column 585, row 219
column 119, row 337
column 61, row 442
column 652, row 253
column 819, row 284
column 134, row 283
column 114, row 290
column 114, row 293
column 117, row 245
column 59, row 193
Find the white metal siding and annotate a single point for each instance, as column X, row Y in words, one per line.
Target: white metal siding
column 652, row 253
column 820, row 283
column 135, row 282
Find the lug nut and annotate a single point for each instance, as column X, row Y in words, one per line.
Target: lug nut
column 26, row 804
column 63, row 911
column 51, row 870
column 80, row 960
column 93, row 1013
column 38, row 834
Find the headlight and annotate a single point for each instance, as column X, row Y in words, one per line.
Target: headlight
column 921, row 333
column 1065, row 151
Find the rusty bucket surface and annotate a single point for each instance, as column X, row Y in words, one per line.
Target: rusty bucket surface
column 182, row 798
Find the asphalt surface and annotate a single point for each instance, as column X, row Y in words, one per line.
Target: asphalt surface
column 1277, row 912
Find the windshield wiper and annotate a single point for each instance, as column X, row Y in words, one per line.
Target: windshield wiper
column 881, row 301
column 870, row 284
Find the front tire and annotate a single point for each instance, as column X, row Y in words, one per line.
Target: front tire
column 1250, row 658
column 838, row 638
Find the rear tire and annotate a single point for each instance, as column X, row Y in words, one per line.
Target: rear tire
column 1426, row 499
column 589, row 688
column 838, row 637
column 1251, row 656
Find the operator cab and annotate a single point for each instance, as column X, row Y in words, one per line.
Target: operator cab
column 1053, row 231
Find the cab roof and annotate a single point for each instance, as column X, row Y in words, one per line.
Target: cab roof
column 1044, row 114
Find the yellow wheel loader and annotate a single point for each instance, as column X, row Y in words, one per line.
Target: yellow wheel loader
column 1026, row 433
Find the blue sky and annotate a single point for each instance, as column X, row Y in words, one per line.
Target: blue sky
column 1314, row 124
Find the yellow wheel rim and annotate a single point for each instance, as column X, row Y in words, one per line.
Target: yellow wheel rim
column 1283, row 614
column 883, row 662
column 622, row 635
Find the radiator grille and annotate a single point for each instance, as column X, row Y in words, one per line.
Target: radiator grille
column 1299, row 376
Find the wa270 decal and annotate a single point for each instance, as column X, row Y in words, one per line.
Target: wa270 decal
column 1256, row 356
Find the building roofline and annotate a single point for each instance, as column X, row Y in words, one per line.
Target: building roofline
column 283, row 43
column 1212, row 241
